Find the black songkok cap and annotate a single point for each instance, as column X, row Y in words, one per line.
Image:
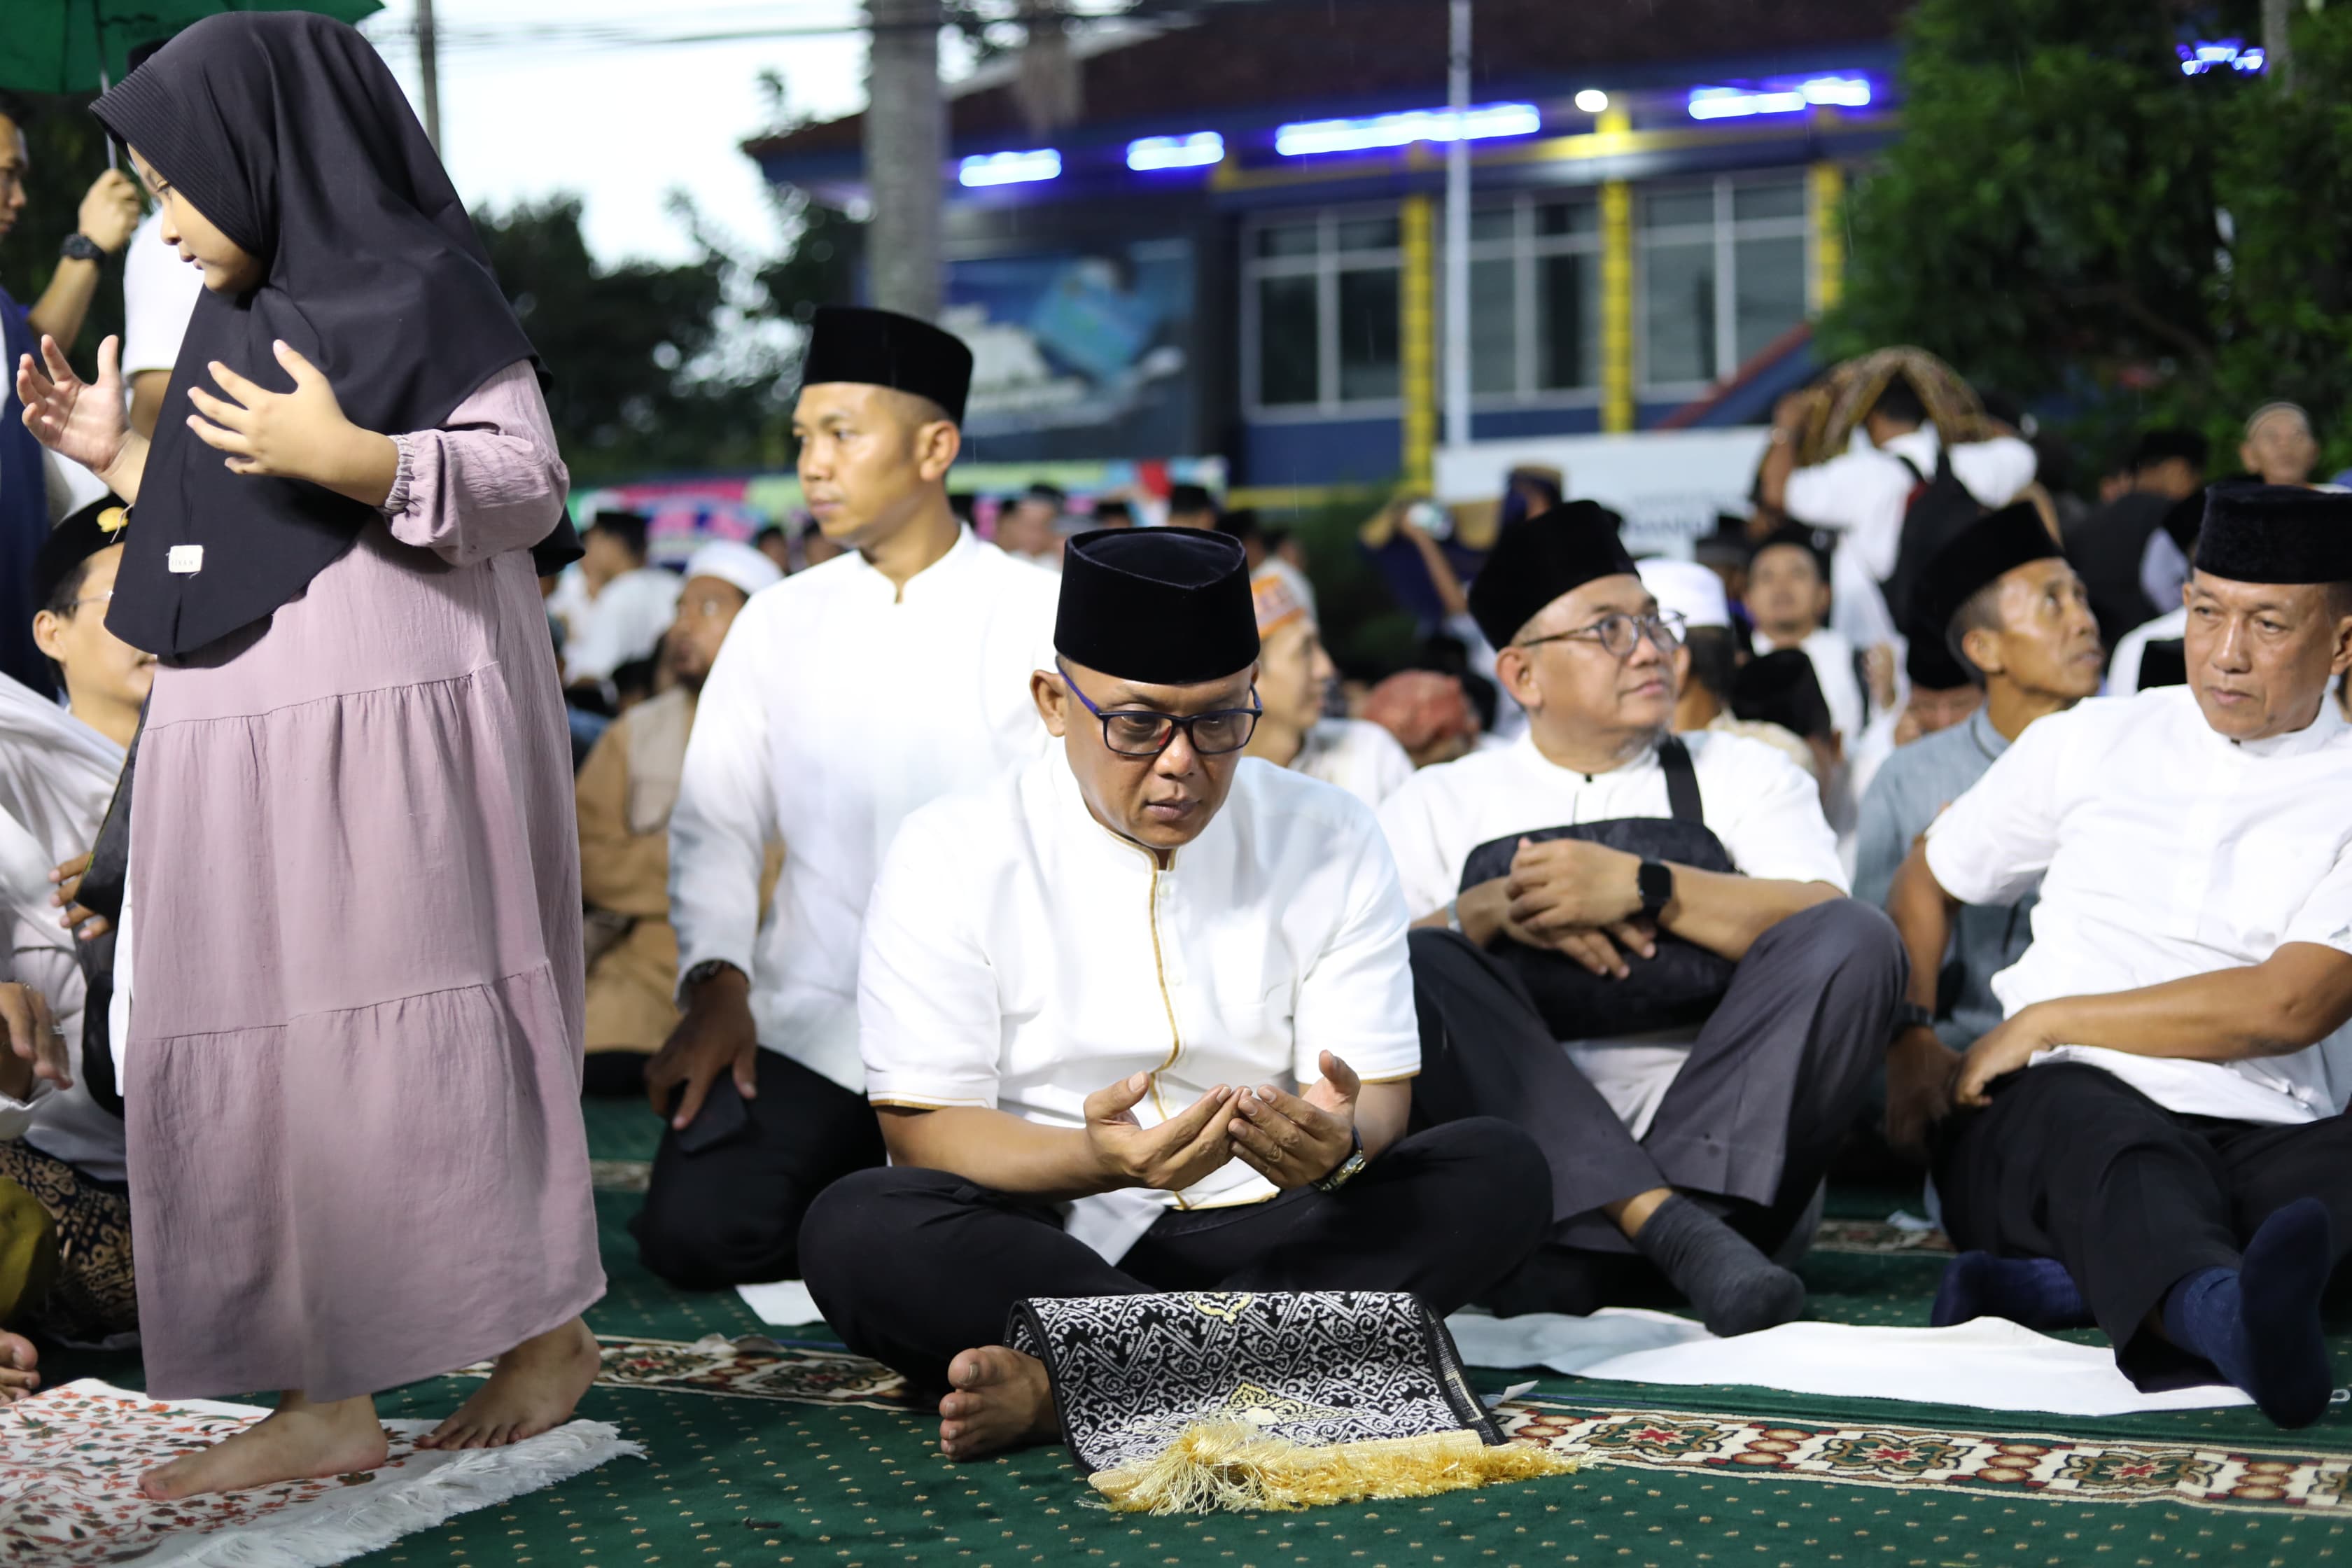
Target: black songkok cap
column 1803, row 538
column 2276, row 534
column 1782, row 689
column 882, row 348
column 96, row 527
column 1996, row 543
column 1164, row 607
column 1927, row 662
column 1538, row 559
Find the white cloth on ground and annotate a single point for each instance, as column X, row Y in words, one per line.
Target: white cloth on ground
column 1990, row 1363
column 2165, row 851
column 1020, row 956
column 839, row 704
column 785, row 1302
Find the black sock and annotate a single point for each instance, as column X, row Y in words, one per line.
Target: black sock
column 2037, row 1292
column 2258, row 1323
column 1735, row 1288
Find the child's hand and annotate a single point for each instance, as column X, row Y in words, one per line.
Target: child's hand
column 296, row 434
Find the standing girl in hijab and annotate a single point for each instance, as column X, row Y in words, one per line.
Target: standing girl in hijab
column 352, row 1075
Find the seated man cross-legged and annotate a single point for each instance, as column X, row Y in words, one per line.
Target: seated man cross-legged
column 1692, row 1128
column 2154, row 1137
column 1140, row 1017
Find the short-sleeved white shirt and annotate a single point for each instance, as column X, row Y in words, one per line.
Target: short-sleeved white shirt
column 1019, row 956
column 158, row 294
column 2165, row 851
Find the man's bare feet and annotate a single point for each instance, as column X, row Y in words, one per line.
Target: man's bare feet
column 532, row 1389
column 17, row 1360
column 1001, row 1399
column 299, row 1441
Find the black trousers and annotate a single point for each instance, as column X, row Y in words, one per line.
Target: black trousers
column 913, row 1267
column 2073, row 1163
column 1751, row 1121
column 731, row 1214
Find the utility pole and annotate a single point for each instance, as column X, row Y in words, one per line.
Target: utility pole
column 1458, row 235
column 428, row 71
column 2278, row 49
column 905, row 147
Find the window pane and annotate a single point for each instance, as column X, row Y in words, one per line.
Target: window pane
column 1678, row 313
column 1781, row 198
column 1290, row 240
column 1494, row 328
column 1675, row 210
column 1567, row 321
column 1285, row 340
column 1568, row 217
column 1368, row 334
column 1768, row 280
column 1368, row 234
column 1493, row 223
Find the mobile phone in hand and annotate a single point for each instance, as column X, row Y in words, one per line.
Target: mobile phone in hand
column 723, row 1117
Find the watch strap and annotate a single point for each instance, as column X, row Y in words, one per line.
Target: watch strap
column 1909, row 1015
column 80, row 246
column 1345, row 1170
column 1655, row 880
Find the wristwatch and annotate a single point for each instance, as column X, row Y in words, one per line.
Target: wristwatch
column 702, row 972
column 1656, row 882
column 1453, row 916
column 1345, row 1172
column 1909, row 1016
column 80, row 246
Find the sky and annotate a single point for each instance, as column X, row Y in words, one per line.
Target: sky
column 620, row 124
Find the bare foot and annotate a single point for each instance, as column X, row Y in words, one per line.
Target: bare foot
column 301, row 1441
column 532, row 1389
column 17, row 1359
column 1001, row 1399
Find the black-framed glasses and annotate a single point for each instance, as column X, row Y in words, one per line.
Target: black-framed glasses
column 1141, row 732
column 1620, row 634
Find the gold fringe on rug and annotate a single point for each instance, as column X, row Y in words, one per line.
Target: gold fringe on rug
column 1237, row 1467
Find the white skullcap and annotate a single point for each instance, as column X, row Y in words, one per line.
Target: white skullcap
column 732, row 563
column 1689, row 587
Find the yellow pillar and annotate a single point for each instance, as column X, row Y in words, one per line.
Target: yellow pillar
column 1417, row 330
column 1616, row 289
column 1827, row 182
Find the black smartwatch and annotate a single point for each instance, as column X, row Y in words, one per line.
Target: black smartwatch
column 1656, row 882
column 80, row 246
column 1909, row 1016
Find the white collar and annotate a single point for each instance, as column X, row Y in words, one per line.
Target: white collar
column 2296, row 742
column 935, row 578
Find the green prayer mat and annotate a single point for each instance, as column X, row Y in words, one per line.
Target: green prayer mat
column 795, row 1455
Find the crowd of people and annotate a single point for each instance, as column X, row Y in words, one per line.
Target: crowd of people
column 1045, row 915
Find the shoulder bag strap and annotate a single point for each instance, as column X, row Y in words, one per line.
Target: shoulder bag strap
column 1682, row 782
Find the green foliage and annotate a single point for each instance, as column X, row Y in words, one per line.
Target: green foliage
column 66, row 151
column 2066, row 215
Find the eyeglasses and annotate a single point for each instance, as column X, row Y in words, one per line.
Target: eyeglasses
column 93, row 599
column 1140, row 732
column 1620, row 634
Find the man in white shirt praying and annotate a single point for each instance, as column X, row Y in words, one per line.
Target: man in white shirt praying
column 1698, row 1143
column 1141, row 1019
column 844, row 697
column 2154, row 1137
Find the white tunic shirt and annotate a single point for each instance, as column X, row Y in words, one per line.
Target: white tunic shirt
column 1020, row 956
column 1863, row 494
column 2165, row 851
column 1356, row 754
column 1764, row 809
column 838, row 705
column 623, row 623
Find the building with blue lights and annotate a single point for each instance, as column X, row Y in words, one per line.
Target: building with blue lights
column 1237, row 248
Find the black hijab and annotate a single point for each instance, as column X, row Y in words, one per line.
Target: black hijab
column 289, row 133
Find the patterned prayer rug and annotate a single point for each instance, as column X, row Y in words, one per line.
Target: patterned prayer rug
column 620, row 1175
column 2197, row 1475
column 752, row 1366
column 1876, row 1238
column 70, row 1458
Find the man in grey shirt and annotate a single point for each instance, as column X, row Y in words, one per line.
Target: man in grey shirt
column 2006, row 603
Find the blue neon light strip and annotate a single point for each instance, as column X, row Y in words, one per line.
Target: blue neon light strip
column 1308, row 137
column 1197, row 151
column 1011, row 168
column 1778, row 97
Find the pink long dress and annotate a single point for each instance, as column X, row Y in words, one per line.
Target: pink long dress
column 353, row 1073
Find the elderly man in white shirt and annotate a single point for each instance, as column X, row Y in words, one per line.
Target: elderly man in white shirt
column 2158, row 1122
column 1865, row 494
column 1141, row 1019
column 1295, row 674
column 1699, row 1137
column 845, row 697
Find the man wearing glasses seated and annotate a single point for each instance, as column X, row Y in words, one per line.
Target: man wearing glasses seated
column 1140, row 1017
column 1727, row 999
